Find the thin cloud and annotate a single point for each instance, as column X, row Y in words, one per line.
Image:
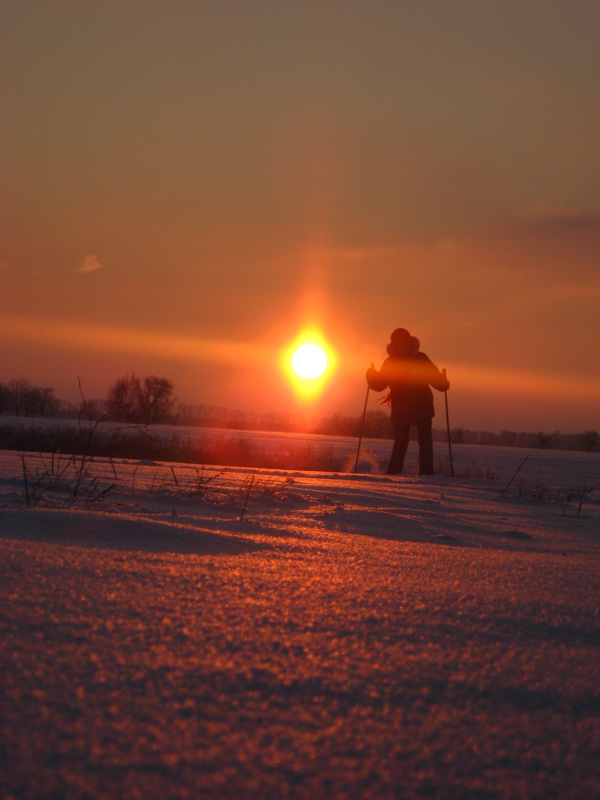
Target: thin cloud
column 113, row 339
column 89, row 264
column 565, row 222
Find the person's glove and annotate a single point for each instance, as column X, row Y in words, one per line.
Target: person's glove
column 371, row 374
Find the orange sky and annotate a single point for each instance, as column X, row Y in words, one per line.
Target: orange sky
column 184, row 187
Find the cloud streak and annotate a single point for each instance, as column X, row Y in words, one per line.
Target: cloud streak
column 113, row 339
column 88, row 264
column 565, row 222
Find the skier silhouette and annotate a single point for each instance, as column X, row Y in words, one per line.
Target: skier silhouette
column 409, row 373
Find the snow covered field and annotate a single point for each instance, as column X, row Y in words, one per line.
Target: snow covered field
column 172, row 631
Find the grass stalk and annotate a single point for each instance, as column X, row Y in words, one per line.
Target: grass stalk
column 246, row 498
column 513, row 477
column 25, row 482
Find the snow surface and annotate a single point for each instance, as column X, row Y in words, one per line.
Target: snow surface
column 184, row 632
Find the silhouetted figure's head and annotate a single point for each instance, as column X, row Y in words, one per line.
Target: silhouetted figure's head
column 401, row 340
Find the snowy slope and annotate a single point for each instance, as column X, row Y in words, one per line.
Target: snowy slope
column 192, row 632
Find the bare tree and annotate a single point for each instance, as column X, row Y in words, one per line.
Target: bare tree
column 44, row 400
column 148, row 400
column 121, row 399
column 154, row 397
column 20, row 392
column 92, row 409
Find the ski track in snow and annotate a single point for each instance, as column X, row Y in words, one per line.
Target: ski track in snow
column 228, row 632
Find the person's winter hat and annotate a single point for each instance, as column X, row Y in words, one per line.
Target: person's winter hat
column 400, row 339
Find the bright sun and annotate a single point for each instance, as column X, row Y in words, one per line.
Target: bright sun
column 309, row 361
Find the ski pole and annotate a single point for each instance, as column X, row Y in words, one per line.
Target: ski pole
column 362, row 425
column 448, row 427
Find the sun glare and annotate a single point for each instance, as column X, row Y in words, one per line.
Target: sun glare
column 309, row 361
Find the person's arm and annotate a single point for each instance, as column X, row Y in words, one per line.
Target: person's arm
column 436, row 378
column 378, row 381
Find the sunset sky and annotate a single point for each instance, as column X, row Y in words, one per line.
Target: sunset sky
column 185, row 186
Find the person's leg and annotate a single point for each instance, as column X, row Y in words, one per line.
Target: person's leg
column 401, row 434
column 425, row 446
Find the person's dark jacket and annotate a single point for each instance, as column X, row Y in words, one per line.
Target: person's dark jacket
column 409, row 378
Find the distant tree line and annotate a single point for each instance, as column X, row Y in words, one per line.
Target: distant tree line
column 146, row 400
column 23, row 399
column 150, row 400
column 207, row 416
column 587, row 440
